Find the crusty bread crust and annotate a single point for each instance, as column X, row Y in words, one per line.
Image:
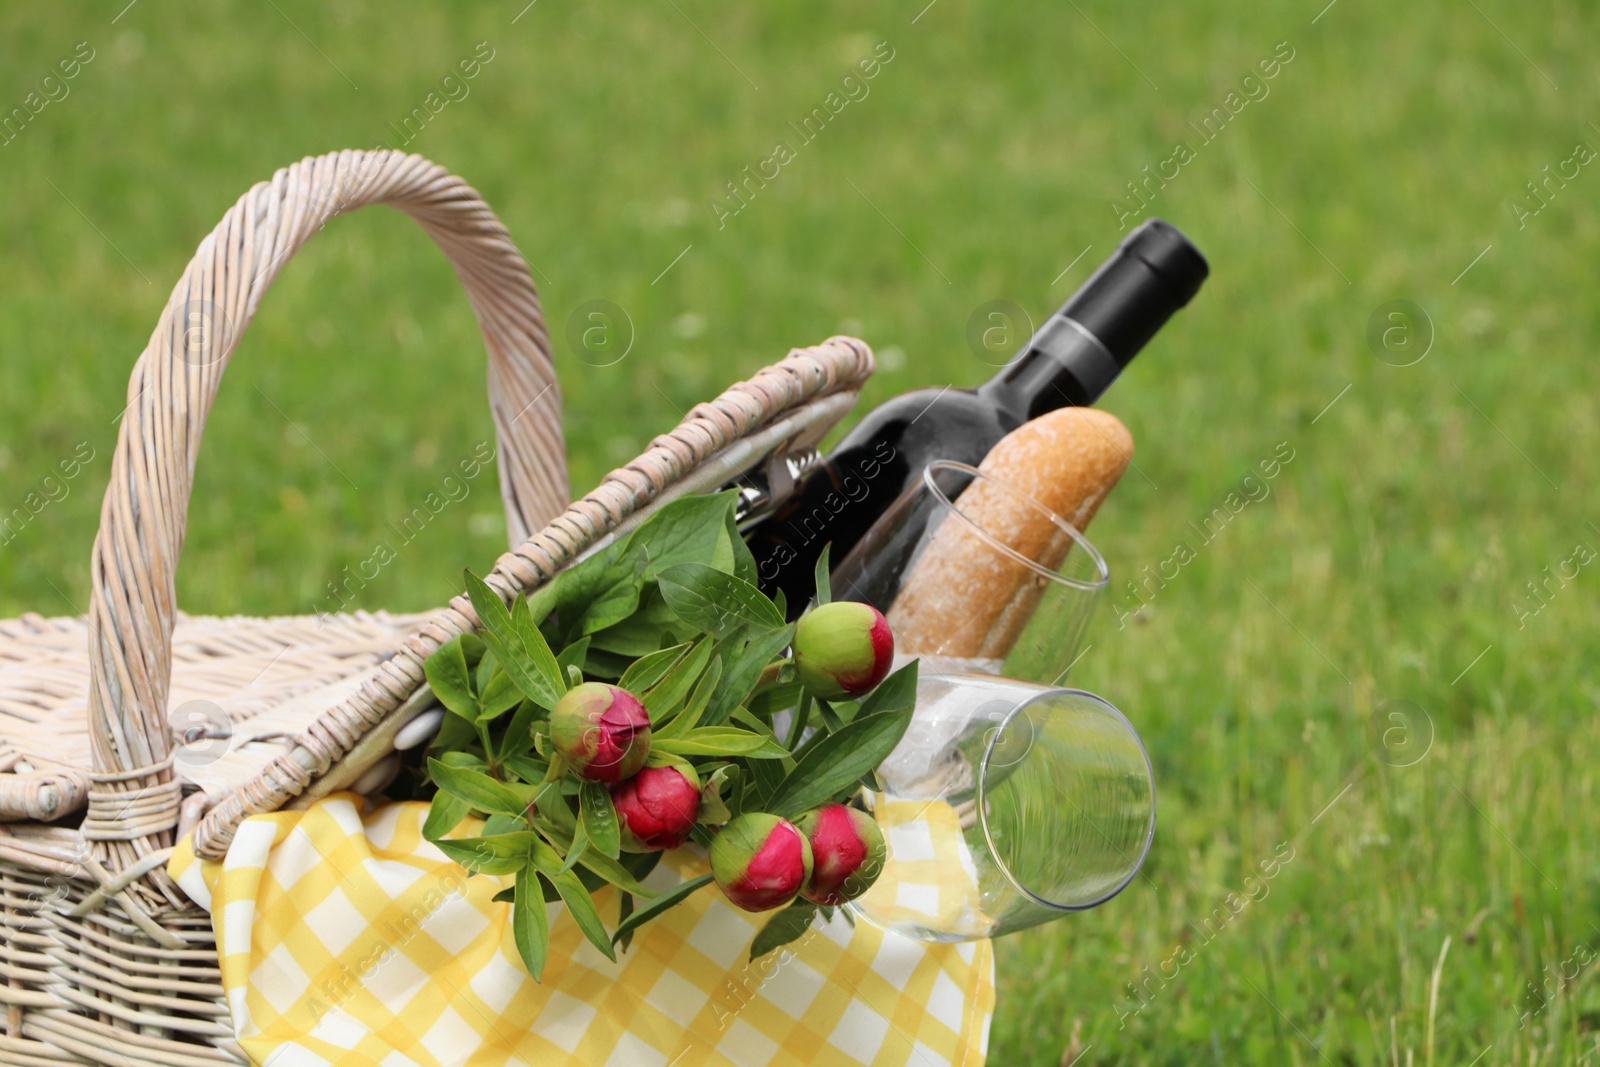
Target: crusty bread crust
column 962, row 598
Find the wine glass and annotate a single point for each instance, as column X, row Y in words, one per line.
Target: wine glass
column 1007, row 804
column 975, row 574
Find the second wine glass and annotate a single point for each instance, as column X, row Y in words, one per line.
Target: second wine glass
column 975, row 574
column 1007, row 804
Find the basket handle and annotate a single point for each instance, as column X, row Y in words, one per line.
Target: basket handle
column 142, row 519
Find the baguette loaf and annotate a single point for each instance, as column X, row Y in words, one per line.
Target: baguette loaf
column 962, row 597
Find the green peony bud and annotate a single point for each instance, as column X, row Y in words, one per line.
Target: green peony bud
column 760, row 861
column 602, row 731
column 847, row 850
column 842, row 650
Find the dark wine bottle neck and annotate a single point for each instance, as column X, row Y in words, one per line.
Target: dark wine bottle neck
column 1063, row 365
column 1082, row 348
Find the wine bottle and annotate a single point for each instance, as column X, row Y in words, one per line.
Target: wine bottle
column 1070, row 361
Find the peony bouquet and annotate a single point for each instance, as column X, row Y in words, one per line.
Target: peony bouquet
column 651, row 696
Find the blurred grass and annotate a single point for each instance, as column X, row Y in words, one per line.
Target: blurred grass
column 1390, row 553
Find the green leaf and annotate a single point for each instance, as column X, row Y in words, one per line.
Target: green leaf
column 830, row 718
column 518, row 736
column 744, row 562
column 476, row 788
column 800, row 719
column 597, row 819
column 527, row 768
column 554, row 820
column 838, row 760
column 724, row 741
column 668, row 693
column 542, row 601
column 530, row 926
column 689, row 717
column 591, row 594
column 537, row 648
column 486, row 667
column 580, row 905
column 785, row 926
column 660, row 903
column 523, row 791
column 824, row 583
column 716, row 775
column 640, row 864
column 624, row 909
column 444, row 814
column 451, row 680
column 713, row 810
column 716, row 602
column 686, row 530
column 455, row 734
column 575, row 851
column 895, row 693
column 500, row 854
column 648, row 670
column 528, row 660
column 615, row 873
column 765, row 778
column 659, row 757
column 543, row 856
column 502, row 824
column 500, row 694
column 722, row 557
column 816, row 738
column 600, row 665
column 567, row 598
column 653, row 609
column 846, row 710
column 573, row 655
column 743, row 663
column 743, row 717
column 491, row 610
column 473, row 647
column 633, row 636
column 619, row 600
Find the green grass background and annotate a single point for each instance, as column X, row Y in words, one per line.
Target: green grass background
column 1388, row 557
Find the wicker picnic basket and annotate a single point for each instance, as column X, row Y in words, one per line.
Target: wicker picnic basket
column 102, row 959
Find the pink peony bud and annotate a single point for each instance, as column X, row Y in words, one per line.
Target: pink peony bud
column 842, row 650
column 760, row 861
column 603, row 732
column 847, row 852
column 657, row 808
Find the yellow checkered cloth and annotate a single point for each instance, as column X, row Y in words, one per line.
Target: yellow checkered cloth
column 932, row 881
column 347, row 938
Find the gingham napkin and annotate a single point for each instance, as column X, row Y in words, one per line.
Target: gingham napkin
column 346, row 938
column 932, row 880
